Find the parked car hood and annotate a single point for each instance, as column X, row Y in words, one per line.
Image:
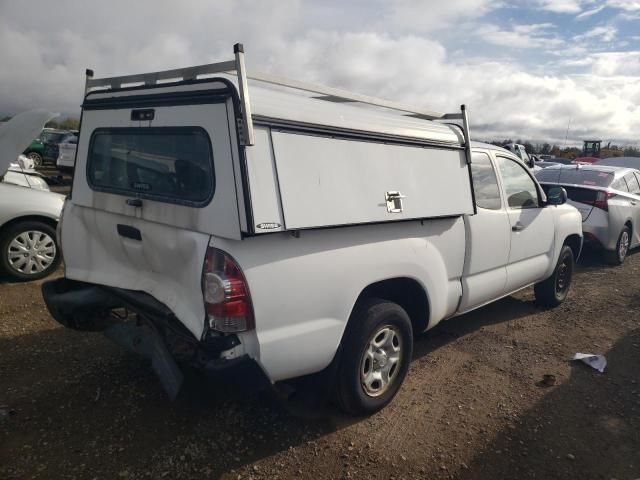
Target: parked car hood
column 18, row 133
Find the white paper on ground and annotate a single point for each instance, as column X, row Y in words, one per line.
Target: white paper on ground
column 596, row 361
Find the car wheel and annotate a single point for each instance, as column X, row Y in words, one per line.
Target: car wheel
column 554, row 290
column 617, row 256
column 28, row 250
column 375, row 357
column 36, row 157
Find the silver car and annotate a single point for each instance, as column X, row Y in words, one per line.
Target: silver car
column 608, row 199
column 28, row 215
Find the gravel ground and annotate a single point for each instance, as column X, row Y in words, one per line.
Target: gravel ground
column 474, row 404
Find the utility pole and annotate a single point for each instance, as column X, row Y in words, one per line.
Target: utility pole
column 567, row 133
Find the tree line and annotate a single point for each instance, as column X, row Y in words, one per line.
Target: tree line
column 606, row 151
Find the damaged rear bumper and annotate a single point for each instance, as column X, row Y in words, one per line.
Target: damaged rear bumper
column 143, row 325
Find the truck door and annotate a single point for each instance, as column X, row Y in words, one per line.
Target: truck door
column 488, row 236
column 532, row 226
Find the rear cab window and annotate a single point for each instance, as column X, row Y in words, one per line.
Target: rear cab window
column 485, row 183
column 168, row 164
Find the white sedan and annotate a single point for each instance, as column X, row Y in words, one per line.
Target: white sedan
column 28, row 215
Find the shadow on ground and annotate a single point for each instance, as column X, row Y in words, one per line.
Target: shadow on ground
column 102, row 403
column 588, row 427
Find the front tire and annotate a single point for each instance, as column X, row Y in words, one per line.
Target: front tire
column 37, row 158
column 28, row 251
column 375, row 357
column 554, row 290
column 617, row 256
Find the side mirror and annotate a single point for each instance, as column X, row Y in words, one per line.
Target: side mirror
column 556, row 196
column 530, row 162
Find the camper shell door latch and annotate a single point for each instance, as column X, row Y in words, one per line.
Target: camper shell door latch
column 394, row 201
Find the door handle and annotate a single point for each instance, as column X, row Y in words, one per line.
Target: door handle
column 129, row 232
column 633, row 202
column 517, row 227
column 134, row 202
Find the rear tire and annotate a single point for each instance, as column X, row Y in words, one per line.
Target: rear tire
column 617, row 256
column 28, row 251
column 375, row 357
column 554, row 290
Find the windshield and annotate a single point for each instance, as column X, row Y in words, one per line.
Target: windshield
column 53, row 137
column 164, row 163
column 575, row 176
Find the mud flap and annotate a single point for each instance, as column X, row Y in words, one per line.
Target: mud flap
column 146, row 341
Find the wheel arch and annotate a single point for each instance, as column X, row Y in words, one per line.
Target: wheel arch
column 52, row 222
column 404, row 291
column 575, row 242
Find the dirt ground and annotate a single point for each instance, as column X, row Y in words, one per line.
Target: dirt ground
column 473, row 405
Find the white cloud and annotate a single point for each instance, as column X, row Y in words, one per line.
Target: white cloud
column 616, row 64
column 348, row 46
column 422, row 15
column 589, row 13
column 578, row 6
column 628, row 5
column 561, row 6
column 520, row 36
column 605, row 33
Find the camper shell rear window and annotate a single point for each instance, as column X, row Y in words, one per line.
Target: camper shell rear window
column 168, row 164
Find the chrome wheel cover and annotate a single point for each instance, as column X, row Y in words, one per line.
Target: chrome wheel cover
column 31, row 252
column 380, row 361
column 623, row 245
column 37, row 158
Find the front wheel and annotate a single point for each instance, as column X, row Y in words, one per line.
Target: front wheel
column 28, row 250
column 37, row 159
column 554, row 290
column 375, row 357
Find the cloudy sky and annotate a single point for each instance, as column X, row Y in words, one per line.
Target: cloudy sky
column 524, row 68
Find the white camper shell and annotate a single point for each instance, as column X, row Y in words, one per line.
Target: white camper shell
column 360, row 165
column 254, row 220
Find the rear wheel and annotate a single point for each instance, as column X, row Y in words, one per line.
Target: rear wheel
column 617, row 256
column 36, row 157
column 554, row 290
column 375, row 357
column 28, row 250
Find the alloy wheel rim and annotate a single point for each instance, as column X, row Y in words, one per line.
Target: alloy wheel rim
column 381, row 360
column 623, row 248
column 37, row 159
column 31, row 252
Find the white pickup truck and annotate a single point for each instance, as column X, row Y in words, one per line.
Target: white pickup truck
column 245, row 223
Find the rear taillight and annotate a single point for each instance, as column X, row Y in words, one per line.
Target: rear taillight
column 226, row 294
column 602, row 200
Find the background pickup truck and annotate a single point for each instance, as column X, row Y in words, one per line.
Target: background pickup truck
column 292, row 234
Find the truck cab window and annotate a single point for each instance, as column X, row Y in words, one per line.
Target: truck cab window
column 518, row 185
column 485, row 183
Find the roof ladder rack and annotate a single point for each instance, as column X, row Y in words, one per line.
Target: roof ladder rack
column 238, row 66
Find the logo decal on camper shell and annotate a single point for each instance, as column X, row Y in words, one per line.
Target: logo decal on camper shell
column 141, row 186
column 268, row 225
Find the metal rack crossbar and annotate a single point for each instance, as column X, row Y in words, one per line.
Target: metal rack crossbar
column 238, row 66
